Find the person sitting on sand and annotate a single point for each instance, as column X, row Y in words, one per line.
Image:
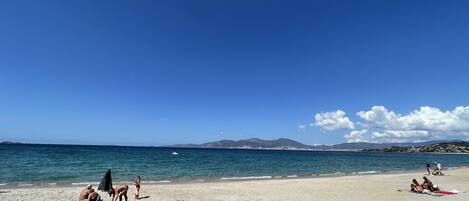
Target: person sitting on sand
column 439, row 168
column 85, row 193
column 119, row 192
column 94, row 196
column 427, row 184
column 416, row 187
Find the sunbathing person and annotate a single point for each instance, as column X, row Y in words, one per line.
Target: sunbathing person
column 85, row 193
column 119, row 193
column 427, row 184
column 415, row 186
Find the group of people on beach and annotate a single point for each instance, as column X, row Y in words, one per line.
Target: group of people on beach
column 437, row 171
column 89, row 194
column 427, row 186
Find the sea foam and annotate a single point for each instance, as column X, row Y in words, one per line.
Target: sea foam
column 246, row 178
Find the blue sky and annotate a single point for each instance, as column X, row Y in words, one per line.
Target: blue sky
column 166, row 72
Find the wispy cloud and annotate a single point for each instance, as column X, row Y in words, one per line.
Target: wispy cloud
column 301, row 128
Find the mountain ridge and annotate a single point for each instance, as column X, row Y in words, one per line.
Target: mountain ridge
column 289, row 144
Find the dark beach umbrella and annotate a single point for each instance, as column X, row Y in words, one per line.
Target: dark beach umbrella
column 106, row 182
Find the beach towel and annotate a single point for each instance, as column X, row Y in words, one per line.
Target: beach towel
column 440, row 193
column 448, row 192
column 106, row 183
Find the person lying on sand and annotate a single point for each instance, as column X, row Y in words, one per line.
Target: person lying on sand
column 427, row 184
column 85, row 193
column 119, row 192
column 429, row 188
column 415, row 186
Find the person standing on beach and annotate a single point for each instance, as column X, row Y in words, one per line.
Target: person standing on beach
column 137, row 187
column 429, row 169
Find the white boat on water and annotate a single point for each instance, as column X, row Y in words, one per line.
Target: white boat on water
column 174, row 153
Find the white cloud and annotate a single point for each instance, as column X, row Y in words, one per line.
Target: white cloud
column 426, row 118
column 379, row 117
column 357, row 136
column 333, row 120
column 382, row 125
column 413, row 135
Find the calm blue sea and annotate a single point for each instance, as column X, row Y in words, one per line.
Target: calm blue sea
column 67, row 164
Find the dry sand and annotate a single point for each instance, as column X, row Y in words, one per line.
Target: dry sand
column 344, row 188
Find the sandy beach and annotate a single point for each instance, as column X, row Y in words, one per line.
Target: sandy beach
column 350, row 188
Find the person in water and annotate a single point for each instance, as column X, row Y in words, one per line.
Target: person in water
column 119, row 193
column 427, row 184
column 137, row 183
column 416, row 187
column 85, row 193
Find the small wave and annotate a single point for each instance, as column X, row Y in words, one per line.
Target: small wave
column 84, row 183
column 199, row 180
column 367, row 172
column 51, row 184
column 3, row 184
column 330, row 174
column 292, row 176
column 277, row 177
column 156, row 182
column 25, row 185
column 246, row 178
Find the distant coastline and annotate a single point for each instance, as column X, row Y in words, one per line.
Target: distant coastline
column 288, row 144
column 459, row 147
column 285, row 144
column 12, row 142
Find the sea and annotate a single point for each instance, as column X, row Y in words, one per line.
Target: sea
column 38, row 165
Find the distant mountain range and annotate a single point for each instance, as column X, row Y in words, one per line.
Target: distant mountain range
column 288, row 144
column 252, row 143
column 10, row 142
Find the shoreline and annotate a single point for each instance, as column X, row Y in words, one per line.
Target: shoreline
column 52, row 184
column 350, row 187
